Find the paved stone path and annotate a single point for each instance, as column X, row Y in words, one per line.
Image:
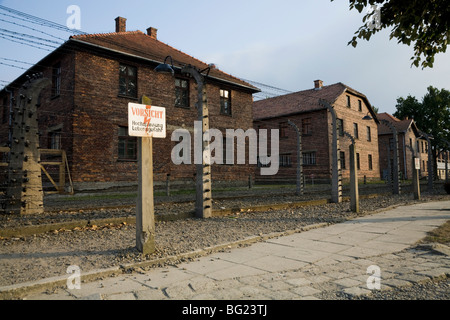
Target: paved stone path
column 305, row 265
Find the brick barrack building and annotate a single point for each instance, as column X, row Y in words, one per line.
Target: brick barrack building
column 408, row 135
column 315, row 122
column 95, row 76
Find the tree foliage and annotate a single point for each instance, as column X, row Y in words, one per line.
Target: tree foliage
column 432, row 114
column 424, row 23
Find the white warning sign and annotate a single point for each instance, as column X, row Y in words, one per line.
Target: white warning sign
column 146, row 121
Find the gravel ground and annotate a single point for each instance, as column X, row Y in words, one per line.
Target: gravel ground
column 48, row 255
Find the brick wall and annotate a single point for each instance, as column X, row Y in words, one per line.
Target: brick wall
column 319, row 141
column 365, row 147
column 99, row 112
column 405, row 170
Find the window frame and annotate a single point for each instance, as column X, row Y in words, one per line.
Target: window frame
column 228, row 111
column 342, row 160
column 311, row 156
column 127, row 139
column 56, row 80
column 180, row 89
column 128, row 79
column 369, row 134
column 55, row 139
column 285, row 160
column 307, row 126
column 283, row 126
column 358, row 161
column 356, row 130
column 340, row 127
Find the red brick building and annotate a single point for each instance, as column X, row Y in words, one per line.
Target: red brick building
column 408, row 135
column 315, row 122
column 95, row 76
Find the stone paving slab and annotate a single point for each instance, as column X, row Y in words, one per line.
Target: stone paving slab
column 298, row 266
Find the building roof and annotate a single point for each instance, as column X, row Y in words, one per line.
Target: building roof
column 303, row 101
column 400, row 125
column 134, row 44
column 144, row 46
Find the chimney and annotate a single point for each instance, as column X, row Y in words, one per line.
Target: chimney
column 318, row 84
column 153, row 32
column 121, row 24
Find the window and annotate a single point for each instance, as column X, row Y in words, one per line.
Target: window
column 370, row 162
column 340, row 127
column 359, row 105
column 127, row 145
column 309, row 158
column 225, row 102
column 410, row 142
column 181, row 93
column 423, row 149
column 127, row 81
column 283, row 127
column 342, row 159
column 56, row 80
column 369, row 134
column 5, row 110
column 349, row 103
column 54, row 140
column 306, row 126
column 355, row 131
column 358, row 163
column 285, row 160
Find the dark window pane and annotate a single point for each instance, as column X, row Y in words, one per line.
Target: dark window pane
column 128, row 81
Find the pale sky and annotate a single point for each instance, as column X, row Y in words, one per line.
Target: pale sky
column 286, row 43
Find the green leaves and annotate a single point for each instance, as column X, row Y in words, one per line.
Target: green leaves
column 424, row 24
column 432, row 114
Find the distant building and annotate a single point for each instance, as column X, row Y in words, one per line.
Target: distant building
column 315, row 122
column 408, row 135
column 84, row 112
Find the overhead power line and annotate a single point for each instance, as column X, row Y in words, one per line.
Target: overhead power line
column 39, row 21
column 267, row 91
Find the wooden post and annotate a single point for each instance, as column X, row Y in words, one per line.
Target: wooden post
column 145, row 212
